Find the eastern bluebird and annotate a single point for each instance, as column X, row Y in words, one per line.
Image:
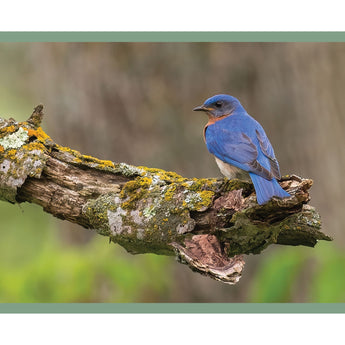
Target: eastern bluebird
column 241, row 147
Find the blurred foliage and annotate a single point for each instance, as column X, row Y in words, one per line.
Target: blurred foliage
column 276, row 276
column 328, row 283
column 133, row 102
column 320, row 276
column 36, row 267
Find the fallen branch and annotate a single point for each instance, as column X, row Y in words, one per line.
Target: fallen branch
column 207, row 223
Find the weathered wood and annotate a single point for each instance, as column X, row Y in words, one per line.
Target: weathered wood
column 207, row 223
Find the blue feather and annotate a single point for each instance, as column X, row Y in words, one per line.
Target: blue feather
column 265, row 189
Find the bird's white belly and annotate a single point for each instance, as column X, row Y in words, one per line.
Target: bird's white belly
column 231, row 171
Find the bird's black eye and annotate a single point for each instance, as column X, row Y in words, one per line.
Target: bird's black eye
column 218, row 104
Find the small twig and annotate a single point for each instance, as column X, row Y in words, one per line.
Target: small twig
column 36, row 117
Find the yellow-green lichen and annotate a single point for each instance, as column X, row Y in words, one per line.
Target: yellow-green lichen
column 135, row 190
column 95, row 162
column 199, row 184
column 19, row 159
column 176, row 192
column 75, row 157
column 7, row 129
column 14, row 140
column 67, row 154
column 198, row 201
column 169, row 192
column 235, row 184
column 162, row 175
column 153, row 210
column 37, row 132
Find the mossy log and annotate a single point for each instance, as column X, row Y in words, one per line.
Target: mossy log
column 207, row 224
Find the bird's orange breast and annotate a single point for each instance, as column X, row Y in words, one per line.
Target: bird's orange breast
column 212, row 120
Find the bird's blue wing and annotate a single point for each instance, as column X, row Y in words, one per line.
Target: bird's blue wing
column 237, row 148
column 267, row 150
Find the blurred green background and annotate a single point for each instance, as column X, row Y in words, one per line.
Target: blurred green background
column 133, row 102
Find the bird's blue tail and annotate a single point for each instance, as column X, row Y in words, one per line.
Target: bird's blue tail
column 265, row 189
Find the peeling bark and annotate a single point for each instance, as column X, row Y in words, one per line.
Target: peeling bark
column 206, row 223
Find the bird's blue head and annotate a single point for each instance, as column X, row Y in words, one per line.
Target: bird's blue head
column 220, row 105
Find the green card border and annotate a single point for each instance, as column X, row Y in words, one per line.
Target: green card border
column 172, row 36
column 181, row 308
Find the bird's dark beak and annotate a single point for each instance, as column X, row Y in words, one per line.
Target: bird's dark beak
column 200, row 108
